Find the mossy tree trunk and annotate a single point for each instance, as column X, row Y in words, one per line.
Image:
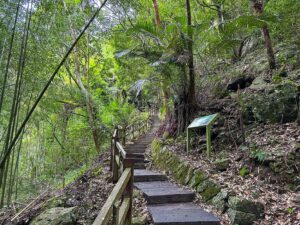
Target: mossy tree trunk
column 258, row 8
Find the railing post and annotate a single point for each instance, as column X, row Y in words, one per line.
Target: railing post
column 115, row 153
column 115, row 215
column 128, row 163
column 133, row 130
column 124, row 137
column 111, row 154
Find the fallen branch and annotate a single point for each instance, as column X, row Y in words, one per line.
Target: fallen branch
column 28, row 206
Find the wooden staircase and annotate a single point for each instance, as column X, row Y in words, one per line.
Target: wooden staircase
column 168, row 203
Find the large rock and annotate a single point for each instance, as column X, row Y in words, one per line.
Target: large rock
column 246, row 206
column 220, row 201
column 241, row 218
column 56, row 216
column 208, row 189
column 278, row 103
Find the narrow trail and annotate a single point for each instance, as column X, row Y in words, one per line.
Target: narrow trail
column 168, row 203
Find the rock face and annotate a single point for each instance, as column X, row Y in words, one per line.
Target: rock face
column 277, row 104
column 240, row 83
column 56, row 216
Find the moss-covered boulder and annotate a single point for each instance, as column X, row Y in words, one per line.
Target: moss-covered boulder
column 208, row 189
column 181, row 172
column 197, row 178
column 56, row 216
column 222, row 164
column 241, row 218
column 246, row 206
column 172, row 162
column 189, row 175
column 220, row 201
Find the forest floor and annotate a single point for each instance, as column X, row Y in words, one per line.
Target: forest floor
column 88, row 193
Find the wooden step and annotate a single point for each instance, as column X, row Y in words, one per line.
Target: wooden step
column 137, row 146
column 135, row 155
column 147, row 176
column 139, row 160
column 139, row 165
column 135, row 151
column 181, row 214
column 161, row 192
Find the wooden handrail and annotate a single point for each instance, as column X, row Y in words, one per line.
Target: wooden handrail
column 122, row 169
column 107, row 210
column 121, row 150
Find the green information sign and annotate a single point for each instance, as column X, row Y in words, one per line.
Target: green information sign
column 205, row 121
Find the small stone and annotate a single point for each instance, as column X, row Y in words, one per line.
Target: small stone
column 141, row 220
column 222, row 164
column 166, row 135
column 240, row 218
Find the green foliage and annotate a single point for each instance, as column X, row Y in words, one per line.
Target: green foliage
column 291, row 210
column 244, row 171
column 260, row 154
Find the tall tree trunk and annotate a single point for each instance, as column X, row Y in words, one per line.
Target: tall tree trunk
column 258, row 9
column 165, row 92
column 219, row 9
column 156, row 10
column 9, row 56
column 191, row 86
column 269, row 47
column 90, row 106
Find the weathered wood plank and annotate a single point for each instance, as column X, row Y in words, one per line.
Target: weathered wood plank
column 106, row 211
column 123, row 210
column 117, row 158
column 121, row 149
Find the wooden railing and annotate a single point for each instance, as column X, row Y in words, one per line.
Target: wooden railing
column 118, row 207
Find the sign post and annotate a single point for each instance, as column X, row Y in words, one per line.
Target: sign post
column 207, row 122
